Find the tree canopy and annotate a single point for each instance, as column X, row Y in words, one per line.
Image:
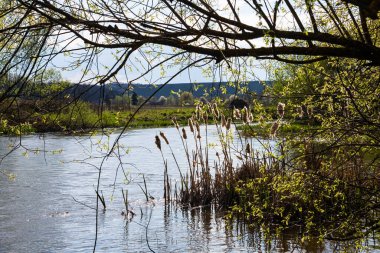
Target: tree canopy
column 218, row 31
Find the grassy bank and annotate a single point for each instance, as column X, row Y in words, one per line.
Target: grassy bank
column 82, row 118
column 263, row 130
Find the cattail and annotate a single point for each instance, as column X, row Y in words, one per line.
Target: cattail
column 164, row 137
column 274, row 128
column 248, row 148
column 191, row 125
column 205, row 117
column 198, row 130
column 237, row 114
column 223, row 120
column 209, row 108
column 175, row 122
column 228, row 125
column 198, row 112
column 158, row 142
column 217, row 113
column 245, row 115
column 184, row 133
column 250, row 117
column 216, row 110
column 281, row 109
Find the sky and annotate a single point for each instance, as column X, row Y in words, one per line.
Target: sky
column 194, row 75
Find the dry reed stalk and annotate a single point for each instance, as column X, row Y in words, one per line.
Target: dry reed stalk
column 237, row 114
column 248, row 149
column 274, row 128
column 198, row 130
column 199, row 186
column 184, row 136
column 205, row 117
column 281, row 109
column 191, row 125
column 223, row 121
column 164, row 137
column 101, row 198
column 228, row 124
column 174, row 157
column 198, row 112
column 175, row 122
column 158, row 142
column 125, row 198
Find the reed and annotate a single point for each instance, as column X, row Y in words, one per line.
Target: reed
column 101, row 198
column 325, row 193
column 125, row 198
column 205, row 183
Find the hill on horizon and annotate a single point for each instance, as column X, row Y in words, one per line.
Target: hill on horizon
column 93, row 94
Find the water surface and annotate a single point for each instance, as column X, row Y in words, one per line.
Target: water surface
column 49, row 205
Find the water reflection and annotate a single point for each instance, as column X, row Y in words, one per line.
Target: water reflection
column 38, row 212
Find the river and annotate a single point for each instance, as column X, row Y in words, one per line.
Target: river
column 48, row 206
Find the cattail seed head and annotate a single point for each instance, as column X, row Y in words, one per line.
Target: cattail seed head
column 217, row 113
column 209, row 108
column 197, row 112
column 246, row 113
column 175, row 122
column 184, row 135
column 248, row 148
column 274, row 128
column 237, row 114
column 250, row 117
column 158, row 142
column 205, row 117
column 215, row 110
column 228, row 124
column 164, row 137
column 223, row 120
column 281, row 109
column 191, row 125
column 198, row 130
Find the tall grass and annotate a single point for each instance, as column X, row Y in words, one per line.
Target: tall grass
column 334, row 194
column 214, row 180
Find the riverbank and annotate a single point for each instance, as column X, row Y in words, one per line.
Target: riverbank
column 84, row 119
column 285, row 129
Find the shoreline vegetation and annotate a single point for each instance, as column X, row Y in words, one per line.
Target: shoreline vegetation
column 321, row 191
column 82, row 118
